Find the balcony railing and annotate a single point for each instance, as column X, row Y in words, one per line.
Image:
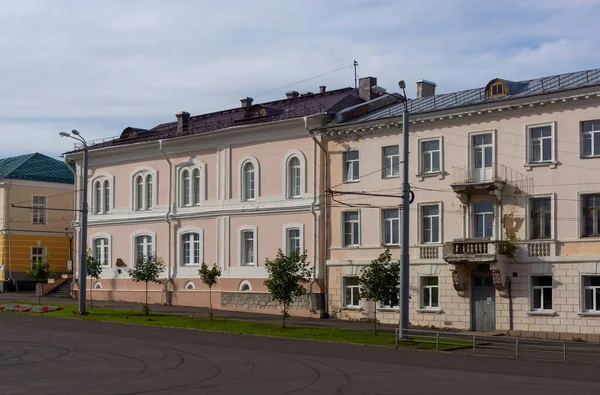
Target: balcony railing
column 495, row 173
column 471, row 249
column 541, row 249
column 429, row 252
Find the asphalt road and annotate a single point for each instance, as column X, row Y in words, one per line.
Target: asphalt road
column 45, row 355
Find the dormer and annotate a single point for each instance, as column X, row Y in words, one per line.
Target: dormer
column 497, row 88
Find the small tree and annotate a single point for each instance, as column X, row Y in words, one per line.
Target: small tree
column 209, row 277
column 379, row 282
column 287, row 278
column 147, row 269
column 94, row 269
column 39, row 272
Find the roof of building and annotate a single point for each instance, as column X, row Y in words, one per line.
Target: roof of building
column 329, row 102
column 36, row 167
column 447, row 101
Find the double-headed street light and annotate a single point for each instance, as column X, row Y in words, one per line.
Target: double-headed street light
column 84, row 213
column 404, row 249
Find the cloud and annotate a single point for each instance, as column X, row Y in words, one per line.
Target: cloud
column 102, row 66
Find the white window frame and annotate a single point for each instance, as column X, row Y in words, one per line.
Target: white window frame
column 191, row 165
column 440, row 173
column 593, row 134
column 286, row 181
column 428, row 288
column 244, row 283
column 529, row 164
column 420, row 207
column 189, row 286
column 580, row 217
column 240, row 253
column 39, row 208
column 345, row 172
column 184, row 231
column 141, row 232
column 473, row 220
column 242, row 179
column 343, row 229
column 38, row 256
column 143, row 171
column 528, row 219
column 541, row 287
column 388, row 168
column 285, row 239
column 108, row 237
column 595, row 310
column 355, row 289
column 385, row 223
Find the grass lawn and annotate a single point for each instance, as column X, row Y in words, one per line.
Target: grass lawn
column 248, row 327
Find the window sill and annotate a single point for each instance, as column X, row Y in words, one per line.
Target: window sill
column 246, row 265
column 530, row 166
column 351, row 308
column 543, row 313
column 351, row 181
column 589, row 157
column 430, row 311
column 390, row 177
column 350, row 247
column 190, row 265
column 589, row 314
column 439, row 174
column 388, row 309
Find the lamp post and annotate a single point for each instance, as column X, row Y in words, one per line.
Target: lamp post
column 404, row 250
column 84, row 213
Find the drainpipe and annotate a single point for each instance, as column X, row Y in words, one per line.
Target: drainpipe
column 74, row 280
column 168, row 221
column 325, row 275
column 7, row 219
column 510, row 305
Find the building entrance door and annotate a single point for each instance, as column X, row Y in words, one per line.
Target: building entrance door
column 483, row 304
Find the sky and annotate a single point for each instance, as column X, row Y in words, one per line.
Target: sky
column 102, row 66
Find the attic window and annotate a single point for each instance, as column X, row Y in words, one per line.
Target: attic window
column 498, row 88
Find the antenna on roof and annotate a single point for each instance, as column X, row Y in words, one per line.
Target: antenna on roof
column 355, row 75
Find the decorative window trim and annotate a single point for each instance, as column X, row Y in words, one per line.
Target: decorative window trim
column 141, row 232
column 581, row 148
column 382, row 226
column 241, row 187
column 528, row 225
column 189, row 286
column 580, row 221
column 490, row 89
column 191, row 164
column 102, row 176
column 286, row 174
column 103, row 235
column 180, row 233
column 33, row 196
column 439, row 174
column 471, row 221
column 97, row 285
column 470, row 151
column 423, row 308
column 284, row 238
column 143, row 171
column 342, row 231
column 420, row 206
column 553, row 162
column 541, row 311
column 44, row 249
column 240, row 230
column 344, row 175
column 244, row 283
column 343, row 293
column 384, row 164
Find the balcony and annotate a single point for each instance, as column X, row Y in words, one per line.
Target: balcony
column 471, row 251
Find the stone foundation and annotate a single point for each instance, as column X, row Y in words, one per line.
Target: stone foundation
column 256, row 300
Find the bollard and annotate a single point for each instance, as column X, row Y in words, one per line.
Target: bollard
column 517, row 348
column 437, row 341
column 474, row 345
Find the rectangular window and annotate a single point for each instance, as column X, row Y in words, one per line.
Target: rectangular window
column 143, row 247
column 39, row 209
column 430, row 292
column 106, row 197
column 351, row 228
column 540, row 142
column 37, row 253
column 590, row 139
column 541, row 290
column 430, row 224
column 351, row 291
column 351, row 166
column 191, row 248
column 483, row 219
column 591, row 293
column 391, row 161
column 430, row 157
column 248, row 248
column 591, row 215
column 101, row 251
column 293, row 241
column 541, row 218
column 391, row 226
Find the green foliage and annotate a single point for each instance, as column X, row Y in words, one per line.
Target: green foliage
column 509, row 246
column 39, row 270
column 288, row 275
column 379, row 282
column 209, row 277
column 93, row 270
column 147, row 269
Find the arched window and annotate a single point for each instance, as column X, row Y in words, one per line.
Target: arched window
column 98, row 197
column 139, row 187
column 196, row 185
column 185, row 187
column 249, row 182
column 101, row 253
column 101, row 191
column 245, row 286
column 294, row 178
column 98, row 285
column 106, row 192
column 189, row 286
column 191, row 246
column 148, row 192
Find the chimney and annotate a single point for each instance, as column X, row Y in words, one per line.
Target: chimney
column 365, row 88
column 322, row 89
column 247, row 101
column 306, row 93
column 292, row 94
column 425, row 88
column 183, row 120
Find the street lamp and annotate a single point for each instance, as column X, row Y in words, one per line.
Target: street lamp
column 84, row 212
column 404, row 250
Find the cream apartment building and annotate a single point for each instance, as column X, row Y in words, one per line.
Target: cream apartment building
column 517, row 159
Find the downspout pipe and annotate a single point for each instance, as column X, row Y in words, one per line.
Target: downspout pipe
column 7, row 219
column 168, row 221
column 326, row 214
column 74, row 281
